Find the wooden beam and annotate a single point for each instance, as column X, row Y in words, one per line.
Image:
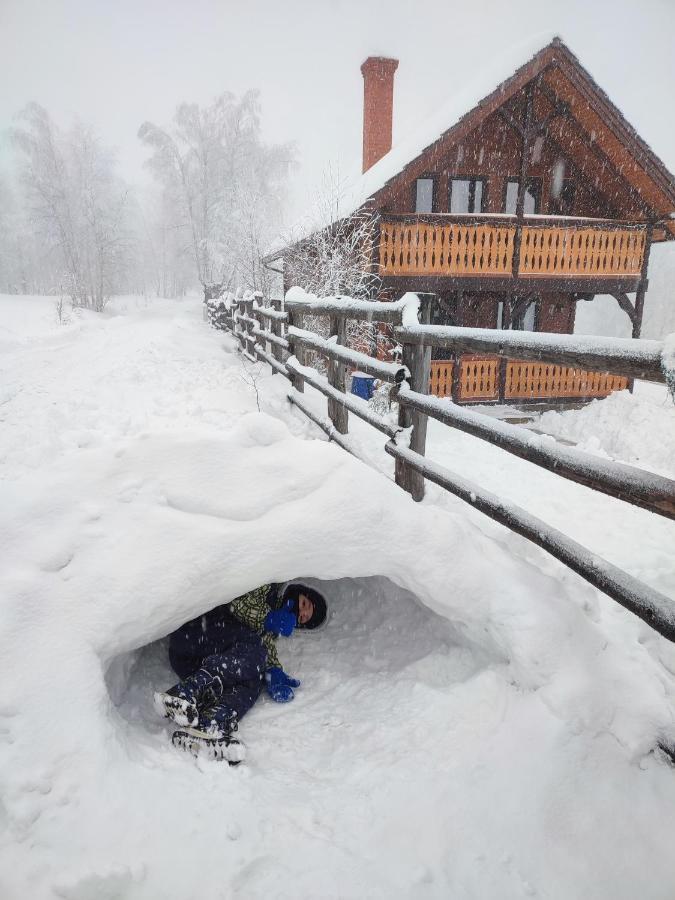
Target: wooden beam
column 657, row 610
column 386, row 371
column 348, row 402
column 337, row 375
column 296, row 398
column 626, row 305
column 637, row 486
column 619, row 356
column 508, row 118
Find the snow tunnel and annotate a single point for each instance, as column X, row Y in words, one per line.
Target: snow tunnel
column 372, row 660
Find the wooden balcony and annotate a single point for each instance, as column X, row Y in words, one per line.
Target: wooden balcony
column 551, row 249
column 480, row 379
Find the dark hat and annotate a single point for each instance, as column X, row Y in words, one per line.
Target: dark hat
column 293, row 591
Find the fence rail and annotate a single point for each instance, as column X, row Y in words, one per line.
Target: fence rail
column 245, row 317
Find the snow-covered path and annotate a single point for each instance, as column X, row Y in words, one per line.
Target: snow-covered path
column 474, row 720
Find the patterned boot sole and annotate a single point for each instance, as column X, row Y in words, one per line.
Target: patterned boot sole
column 180, row 711
column 200, row 744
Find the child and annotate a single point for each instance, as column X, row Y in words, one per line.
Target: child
column 225, row 657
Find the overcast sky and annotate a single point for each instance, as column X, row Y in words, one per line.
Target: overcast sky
column 117, row 63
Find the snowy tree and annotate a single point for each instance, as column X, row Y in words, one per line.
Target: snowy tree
column 224, row 186
column 337, row 258
column 76, row 205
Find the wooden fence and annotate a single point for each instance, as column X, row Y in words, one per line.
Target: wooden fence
column 269, row 334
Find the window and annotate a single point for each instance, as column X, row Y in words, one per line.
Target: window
column 424, row 195
column 525, row 320
column 532, row 196
column 467, row 195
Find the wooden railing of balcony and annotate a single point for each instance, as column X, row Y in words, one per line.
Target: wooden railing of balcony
column 451, row 245
column 477, row 380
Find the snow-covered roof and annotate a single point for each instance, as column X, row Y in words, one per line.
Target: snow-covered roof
column 361, row 187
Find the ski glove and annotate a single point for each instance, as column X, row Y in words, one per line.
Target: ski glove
column 281, row 621
column 280, row 685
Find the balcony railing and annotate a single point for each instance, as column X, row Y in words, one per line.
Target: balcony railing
column 550, row 247
column 478, row 380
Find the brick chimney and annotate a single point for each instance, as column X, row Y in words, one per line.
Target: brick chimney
column 378, row 104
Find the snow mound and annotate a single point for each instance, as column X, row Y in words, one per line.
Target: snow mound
column 636, row 428
column 462, row 692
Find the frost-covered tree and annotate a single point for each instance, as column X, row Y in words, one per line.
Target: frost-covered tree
column 223, row 184
column 76, row 206
column 336, row 258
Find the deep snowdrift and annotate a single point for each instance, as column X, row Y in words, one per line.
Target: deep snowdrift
column 474, row 720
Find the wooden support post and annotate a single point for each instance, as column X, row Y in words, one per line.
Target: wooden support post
column 295, row 321
column 640, row 293
column 503, row 362
column 276, row 330
column 418, row 360
column 642, row 287
column 337, row 376
column 527, row 134
column 456, row 387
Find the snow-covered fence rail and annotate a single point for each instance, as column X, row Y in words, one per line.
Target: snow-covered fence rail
column 652, row 607
column 620, row 356
column 410, row 318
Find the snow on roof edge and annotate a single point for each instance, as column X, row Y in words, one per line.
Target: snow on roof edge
column 360, row 188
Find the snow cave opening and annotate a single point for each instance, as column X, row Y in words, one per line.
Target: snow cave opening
column 376, row 634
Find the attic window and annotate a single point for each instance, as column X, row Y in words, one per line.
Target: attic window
column 467, row 195
column 532, row 196
column 424, row 195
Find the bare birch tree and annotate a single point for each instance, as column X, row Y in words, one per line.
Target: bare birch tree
column 75, row 205
column 227, row 185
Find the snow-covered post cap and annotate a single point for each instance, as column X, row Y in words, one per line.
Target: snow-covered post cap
column 668, row 363
column 411, row 307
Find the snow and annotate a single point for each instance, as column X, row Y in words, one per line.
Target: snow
column 668, row 363
column 466, row 716
column 407, row 306
column 362, row 187
column 616, row 427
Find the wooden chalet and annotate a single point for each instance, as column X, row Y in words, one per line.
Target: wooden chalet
column 534, row 198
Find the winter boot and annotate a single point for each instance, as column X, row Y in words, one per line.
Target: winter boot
column 180, row 709
column 212, row 744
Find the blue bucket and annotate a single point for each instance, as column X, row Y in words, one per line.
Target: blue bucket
column 363, row 385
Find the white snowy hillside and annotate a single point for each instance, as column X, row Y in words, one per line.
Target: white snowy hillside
column 474, row 721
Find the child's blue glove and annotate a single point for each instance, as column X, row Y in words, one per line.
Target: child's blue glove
column 280, row 685
column 281, row 621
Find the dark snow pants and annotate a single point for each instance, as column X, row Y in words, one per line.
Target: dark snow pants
column 226, row 683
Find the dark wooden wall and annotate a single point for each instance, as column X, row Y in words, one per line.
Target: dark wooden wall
column 493, row 150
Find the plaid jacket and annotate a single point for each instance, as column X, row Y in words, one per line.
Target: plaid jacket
column 251, row 609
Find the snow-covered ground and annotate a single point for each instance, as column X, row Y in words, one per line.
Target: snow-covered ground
column 475, row 721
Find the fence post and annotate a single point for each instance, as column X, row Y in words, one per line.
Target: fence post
column 418, row 360
column 295, row 321
column 250, row 338
column 240, row 329
column 337, row 376
column 258, row 303
column 276, row 330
